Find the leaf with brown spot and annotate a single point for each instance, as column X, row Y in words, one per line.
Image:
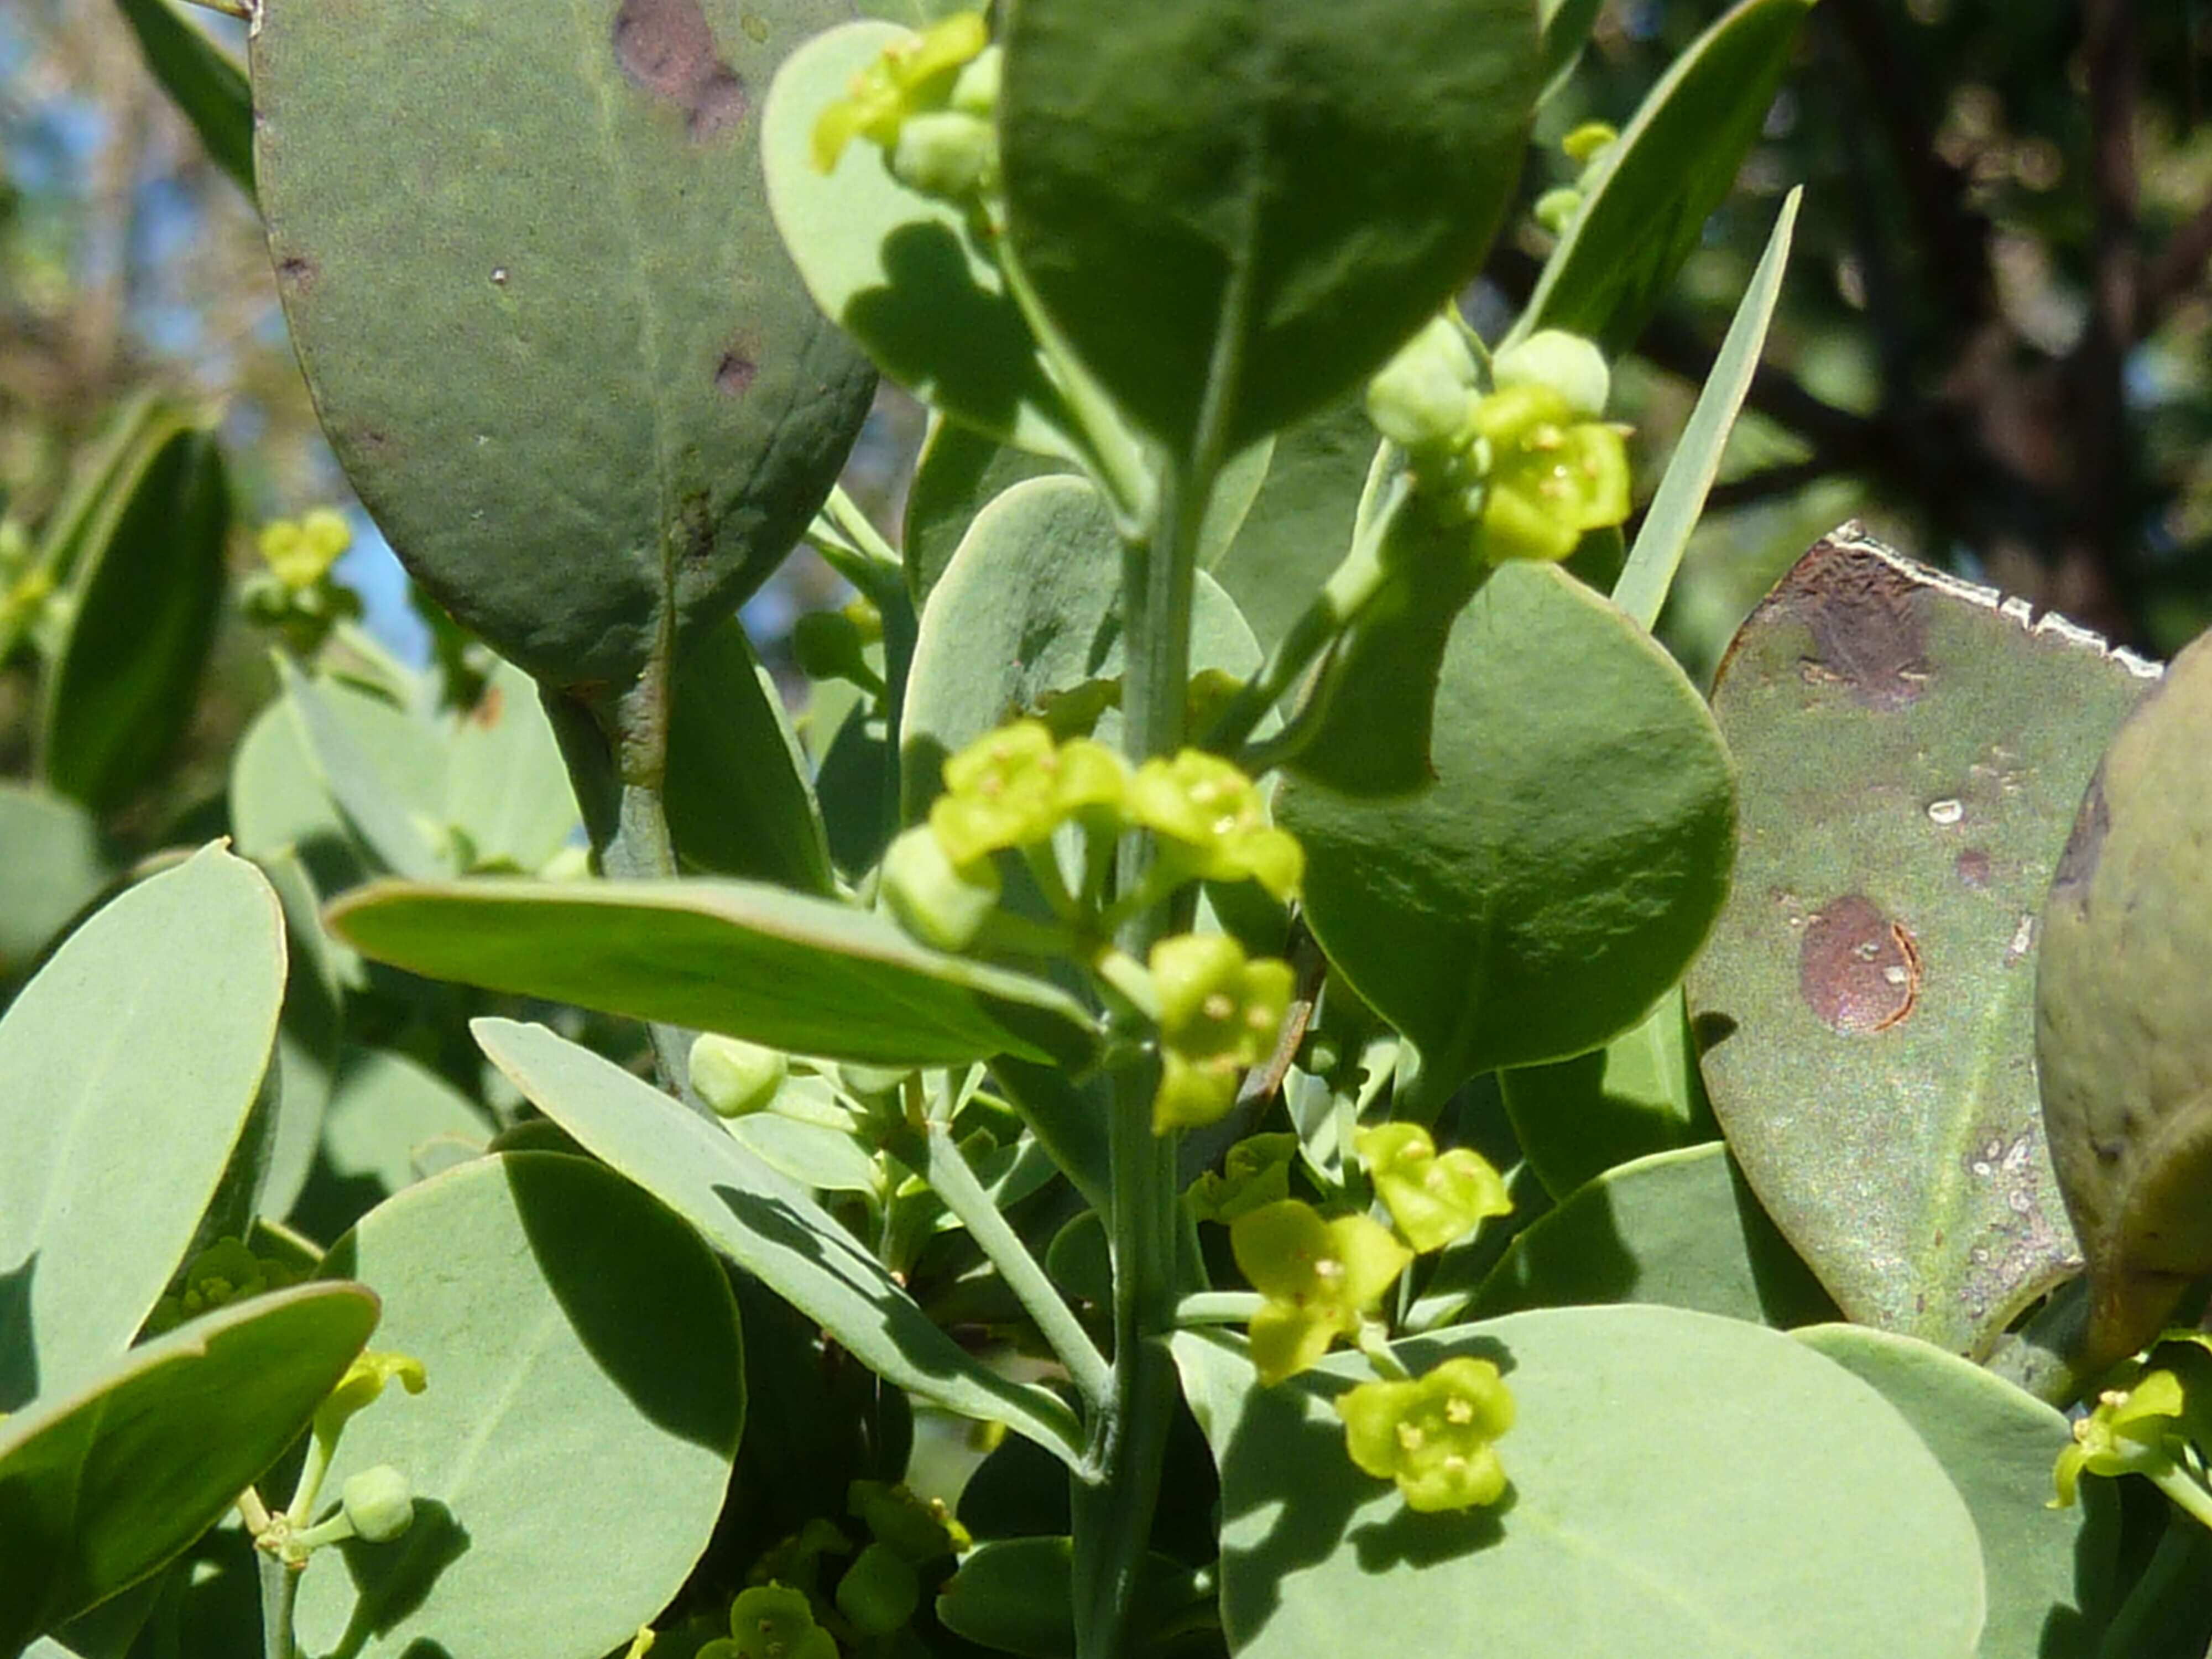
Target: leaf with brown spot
column 518, row 269
column 1911, row 750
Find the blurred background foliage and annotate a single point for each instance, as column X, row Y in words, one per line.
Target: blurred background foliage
column 1992, row 345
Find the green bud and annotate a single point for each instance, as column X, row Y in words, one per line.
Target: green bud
column 879, row 1593
column 827, row 645
column 976, row 91
column 949, row 155
column 940, row 903
column 1423, row 397
column 1555, row 209
column 1567, row 363
column 379, row 1503
column 735, row 1076
column 1584, row 144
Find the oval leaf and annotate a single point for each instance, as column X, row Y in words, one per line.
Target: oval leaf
column 1677, row 1229
column 1645, row 208
column 768, row 1224
column 129, row 1066
column 149, row 590
column 606, row 252
column 586, row 1382
column 2124, row 1011
column 959, row 473
column 1568, row 860
column 1660, row 1462
column 803, row 975
column 1260, row 201
column 100, row 1484
column 1912, row 751
column 2047, row 1570
column 51, row 867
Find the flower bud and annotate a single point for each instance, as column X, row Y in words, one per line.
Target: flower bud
column 1555, row 209
column 1421, row 400
column 940, row 903
column 1567, row 363
column 735, row 1076
column 379, row 1503
column 949, row 155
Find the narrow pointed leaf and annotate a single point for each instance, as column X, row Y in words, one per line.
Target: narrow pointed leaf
column 803, row 975
column 604, row 252
column 1680, row 498
column 128, row 1067
column 1913, row 750
column 1671, row 166
column 101, row 1483
column 766, row 1224
column 201, row 81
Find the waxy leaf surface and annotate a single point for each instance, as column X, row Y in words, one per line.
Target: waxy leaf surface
column 550, row 328
column 807, row 975
column 585, row 1383
column 1911, row 753
column 1661, row 1464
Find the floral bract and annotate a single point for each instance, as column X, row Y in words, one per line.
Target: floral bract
column 1219, row 1013
column 1320, row 1279
column 2132, row 1432
column 1218, row 821
column 1434, row 1197
column 1433, row 1434
column 1015, row 786
column 914, row 77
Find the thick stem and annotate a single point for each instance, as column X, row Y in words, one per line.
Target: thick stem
column 280, row 1588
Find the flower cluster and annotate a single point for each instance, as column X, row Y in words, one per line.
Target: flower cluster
column 1220, row 1012
column 224, row 1272
column 299, row 592
column 1433, row 1434
column 926, row 104
column 1529, row 460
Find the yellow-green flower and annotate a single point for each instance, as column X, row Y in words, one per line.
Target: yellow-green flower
column 1215, row 820
column 916, row 77
column 1434, row 1197
column 1219, row 1014
column 2131, row 1431
column 1013, row 786
column 1553, row 474
column 302, row 551
column 1320, row 1279
column 1433, row 1434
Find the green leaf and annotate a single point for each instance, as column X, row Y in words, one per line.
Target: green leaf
column 1911, row 753
column 740, row 802
column 383, row 1108
column 1641, row 1093
column 2047, row 1570
column 1031, row 606
column 902, row 273
column 604, row 252
column 1677, row 1229
column 51, row 867
column 1558, row 875
column 803, row 975
column 383, row 770
column 768, row 1224
column 959, row 473
column 306, row 1034
column 1642, row 588
column 149, row 589
column 1259, row 203
column 141, row 1043
column 585, row 1384
column 278, row 806
column 2123, row 1044
column 506, row 789
column 1646, row 206
column 201, row 81
column 101, row 1483
column 1662, row 1463
column 1298, row 528
column 1566, row 24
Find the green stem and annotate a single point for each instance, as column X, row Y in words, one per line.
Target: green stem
column 933, row 1152
column 1357, row 583
column 280, row 1590
column 1219, row 1308
column 2186, row 1494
